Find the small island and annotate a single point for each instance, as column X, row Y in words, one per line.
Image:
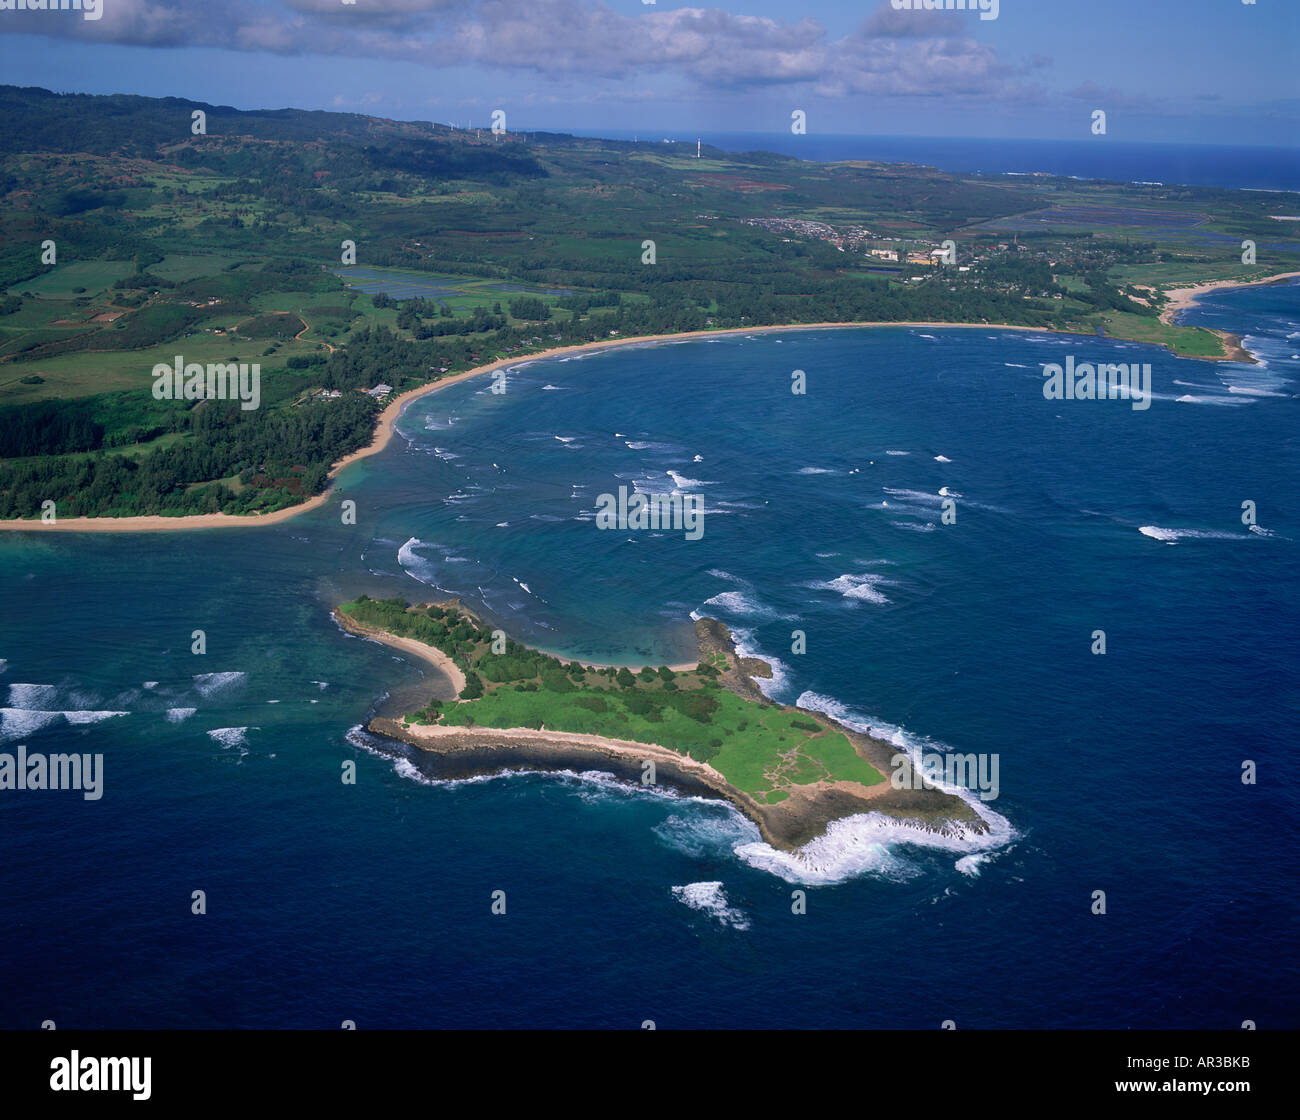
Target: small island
column 708, row 730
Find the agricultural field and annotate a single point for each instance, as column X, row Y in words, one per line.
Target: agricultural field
column 226, row 247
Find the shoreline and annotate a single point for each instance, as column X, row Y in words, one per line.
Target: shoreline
column 434, row 657
column 1180, row 299
column 807, row 810
column 387, row 424
column 430, row 655
column 384, row 430
column 452, row 753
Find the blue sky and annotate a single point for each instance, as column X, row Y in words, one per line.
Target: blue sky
column 1212, row 71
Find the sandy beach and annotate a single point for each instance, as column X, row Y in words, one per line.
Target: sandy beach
column 428, row 654
column 383, row 433
column 387, row 425
column 393, row 410
column 1182, row 298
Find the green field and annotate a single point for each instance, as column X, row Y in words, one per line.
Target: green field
column 1188, row 342
column 762, row 749
column 224, row 247
column 62, row 281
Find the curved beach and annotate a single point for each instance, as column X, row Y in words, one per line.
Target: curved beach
column 428, row 654
column 386, row 426
column 1180, row 298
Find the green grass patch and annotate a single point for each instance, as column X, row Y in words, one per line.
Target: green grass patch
column 62, row 281
column 757, row 747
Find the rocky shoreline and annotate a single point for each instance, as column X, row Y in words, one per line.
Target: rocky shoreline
column 464, row 752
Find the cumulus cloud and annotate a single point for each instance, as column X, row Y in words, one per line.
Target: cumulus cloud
column 918, row 23
column 890, row 53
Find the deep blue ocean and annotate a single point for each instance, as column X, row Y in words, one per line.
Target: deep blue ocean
column 371, row 902
column 1091, row 157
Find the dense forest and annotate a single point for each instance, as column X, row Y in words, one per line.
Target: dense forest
column 270, row 459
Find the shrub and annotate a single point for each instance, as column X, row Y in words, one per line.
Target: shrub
column 698, row 706
column 643, row 704
column 554, row 680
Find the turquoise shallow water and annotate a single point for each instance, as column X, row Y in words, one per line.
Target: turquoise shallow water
column 823, row 514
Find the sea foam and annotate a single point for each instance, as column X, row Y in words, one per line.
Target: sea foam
column 709, row 898
column 15, row 723
column 209, row 684
column 1173, row 536
column 856, row 588
column 35, row 696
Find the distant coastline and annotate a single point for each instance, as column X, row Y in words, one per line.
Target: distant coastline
column 386, row 426
column 1180, row 299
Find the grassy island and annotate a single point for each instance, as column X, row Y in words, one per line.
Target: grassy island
column 708, row 727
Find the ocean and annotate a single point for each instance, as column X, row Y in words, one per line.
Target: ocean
column 1203, row 165
column 372, row 901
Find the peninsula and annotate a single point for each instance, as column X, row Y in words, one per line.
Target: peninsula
column 707, row 731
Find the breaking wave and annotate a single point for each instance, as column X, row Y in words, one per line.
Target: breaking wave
column 208, row 684
column 709, row 898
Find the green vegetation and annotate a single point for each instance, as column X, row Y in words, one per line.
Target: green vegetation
column 1189, row 342
column 225, row 246
column 760, row 748
column 278, row 458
